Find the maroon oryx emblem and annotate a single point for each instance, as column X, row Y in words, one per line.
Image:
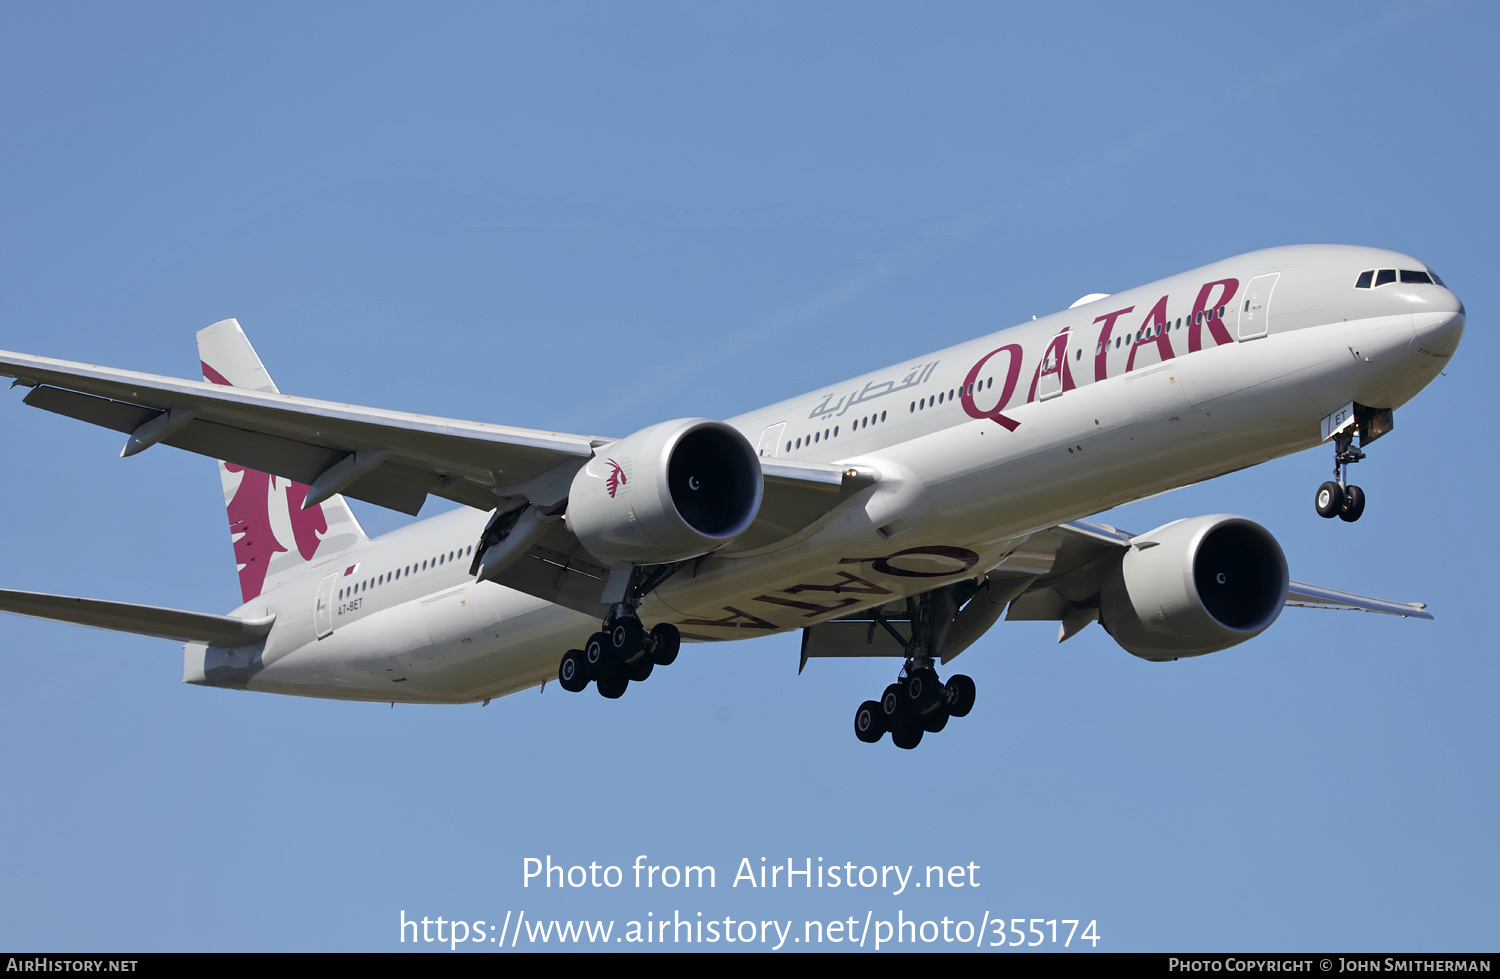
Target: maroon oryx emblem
column 616, row 478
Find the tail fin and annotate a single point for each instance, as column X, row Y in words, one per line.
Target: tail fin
column 273, row 536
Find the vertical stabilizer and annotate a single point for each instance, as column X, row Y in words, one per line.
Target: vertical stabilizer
column 274, row 538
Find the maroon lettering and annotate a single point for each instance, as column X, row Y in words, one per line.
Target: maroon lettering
column 882, row 565
column 1227, row 290
column 1012, row 374
column 1057, row 355
column 1149, row 334
column 848, row 585
column 1101, row 356
column 810, row 608
column 733, row 620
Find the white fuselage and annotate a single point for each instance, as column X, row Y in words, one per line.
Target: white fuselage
column 975, row 447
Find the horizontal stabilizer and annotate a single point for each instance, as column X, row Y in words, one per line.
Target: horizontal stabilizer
column 146, row 620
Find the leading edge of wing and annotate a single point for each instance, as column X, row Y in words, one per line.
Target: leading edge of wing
column 423, row 449
column 227, row 631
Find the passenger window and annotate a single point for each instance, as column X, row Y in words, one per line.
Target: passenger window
column 1365, row 277
column 1385, row 277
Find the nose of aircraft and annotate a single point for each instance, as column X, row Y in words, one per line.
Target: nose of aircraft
column 1438, row 320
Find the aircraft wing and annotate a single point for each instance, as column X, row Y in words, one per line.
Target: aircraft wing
column 145, row 620
column 1070, row 558
column 1052, row 575
column 393, row 459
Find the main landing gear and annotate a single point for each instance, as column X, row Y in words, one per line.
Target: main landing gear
column 1336, row 498
column 918, row 702
column 623, row 650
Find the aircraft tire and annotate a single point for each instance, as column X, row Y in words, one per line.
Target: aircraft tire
column 1354, row 504
column 664, row 642
column 626, row 638
column 908, row 738
column 572, row 672
column 612, row 684
column 958, row 695
column 923, row 691
column 640, row 669
column 893, row 708
column 869, row 722
column 1330, row 499
column 595, row 655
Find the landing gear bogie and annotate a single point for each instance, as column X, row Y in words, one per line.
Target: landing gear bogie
column 623, row 651
column 917, row 704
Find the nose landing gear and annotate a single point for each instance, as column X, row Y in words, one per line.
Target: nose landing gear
column 1336, row 498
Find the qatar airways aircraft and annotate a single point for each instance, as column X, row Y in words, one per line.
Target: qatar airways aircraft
column 897, row 514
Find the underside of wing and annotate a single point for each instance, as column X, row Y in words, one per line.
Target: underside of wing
column 1075, row 574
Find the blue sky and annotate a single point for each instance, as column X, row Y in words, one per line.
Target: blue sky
column 592, row 217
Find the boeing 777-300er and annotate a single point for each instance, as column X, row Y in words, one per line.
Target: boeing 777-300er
column 899, row 513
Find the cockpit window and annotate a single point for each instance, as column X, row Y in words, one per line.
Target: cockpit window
column 1435, row 278
column 1363, row 282
column 1385, row 277
column 1409, row 276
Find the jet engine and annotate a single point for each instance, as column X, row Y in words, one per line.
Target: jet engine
column 667, row 493
column 1194, row 586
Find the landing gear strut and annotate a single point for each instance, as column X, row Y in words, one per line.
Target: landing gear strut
column 1336, row 498
column 918, row 702
column 623, row 650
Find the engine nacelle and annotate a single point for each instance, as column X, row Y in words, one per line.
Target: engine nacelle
column 1197, row 586
column 667, row 493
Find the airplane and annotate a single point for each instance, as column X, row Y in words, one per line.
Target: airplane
column 900, row 513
